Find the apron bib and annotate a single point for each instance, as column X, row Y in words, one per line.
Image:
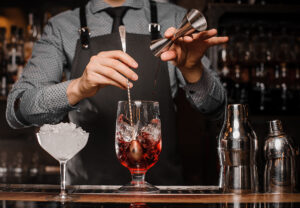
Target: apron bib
column 97, row 162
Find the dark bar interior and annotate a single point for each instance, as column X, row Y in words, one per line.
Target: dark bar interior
column 259, row 67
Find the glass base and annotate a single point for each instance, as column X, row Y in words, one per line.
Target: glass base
column 63, row 198
column 141, row 188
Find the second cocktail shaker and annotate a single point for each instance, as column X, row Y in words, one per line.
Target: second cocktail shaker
column 279, row 174
column 237, row 149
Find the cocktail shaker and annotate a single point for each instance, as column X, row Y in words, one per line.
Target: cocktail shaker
column 279, row 176
column 193, row 21
column 237, row 149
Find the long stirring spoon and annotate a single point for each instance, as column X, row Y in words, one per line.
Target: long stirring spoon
column 135, row 149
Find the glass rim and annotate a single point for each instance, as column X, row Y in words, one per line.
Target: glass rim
column 142, row 101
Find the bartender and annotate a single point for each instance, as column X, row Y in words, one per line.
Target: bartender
column 96, row 71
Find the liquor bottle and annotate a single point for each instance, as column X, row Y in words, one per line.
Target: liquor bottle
column 223, row 62
column 20, row 48
column 47, row 16
column 259, row 89
column 20, row 42
column 3, row 167
column 284, row 43
column 3, row 74
column 276, row 88
column 3, row 78
column 225, row 79
column 262, row 99
column 237, row 84
column 17, row 168
column 2, row 42
column 284, row 89
column 31, row 36
column 14, row 57
column 296, row 93
column 240, row 91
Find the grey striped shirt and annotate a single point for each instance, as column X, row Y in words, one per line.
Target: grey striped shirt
column 41, row 94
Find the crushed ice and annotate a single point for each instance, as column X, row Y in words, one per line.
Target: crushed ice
column 62, row 140
column 62, row 128
column 128, row 132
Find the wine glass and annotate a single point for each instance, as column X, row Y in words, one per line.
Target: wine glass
column 138, row 142
column 62, row 141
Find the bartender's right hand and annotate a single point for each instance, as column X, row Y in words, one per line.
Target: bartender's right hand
column 105, row 68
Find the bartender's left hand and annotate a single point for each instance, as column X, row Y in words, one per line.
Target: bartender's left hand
column 186, row 53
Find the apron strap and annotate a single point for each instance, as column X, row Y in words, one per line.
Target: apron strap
column 154, row 27
column 84, row 30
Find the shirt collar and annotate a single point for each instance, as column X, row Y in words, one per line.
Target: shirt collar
column 99, row 5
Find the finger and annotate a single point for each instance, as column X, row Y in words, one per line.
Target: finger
column 112, row 75
column 201, row 36
column 102, row 80
column 120, row 55
column 205, row 34
column 216, row 40
column 170, row 32
column 120, row 67
column 187, row 39
column 168, row 55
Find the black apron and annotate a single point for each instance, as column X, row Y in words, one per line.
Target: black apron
column 97, row 162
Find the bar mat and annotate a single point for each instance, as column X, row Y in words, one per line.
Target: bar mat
column 90, row 189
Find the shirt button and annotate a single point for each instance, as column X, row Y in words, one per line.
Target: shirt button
column 192, row 92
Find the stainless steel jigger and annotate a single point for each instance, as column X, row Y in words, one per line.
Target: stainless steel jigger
column 192, row 21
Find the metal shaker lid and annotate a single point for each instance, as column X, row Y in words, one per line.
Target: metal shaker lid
column 275, row 128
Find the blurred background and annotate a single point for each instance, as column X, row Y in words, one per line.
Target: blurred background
column 259, row 66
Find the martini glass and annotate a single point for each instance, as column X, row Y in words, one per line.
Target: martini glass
column 138, row 142
column 62, row 141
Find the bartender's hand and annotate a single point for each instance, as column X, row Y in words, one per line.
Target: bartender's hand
column 186, row 53
column 105, row 68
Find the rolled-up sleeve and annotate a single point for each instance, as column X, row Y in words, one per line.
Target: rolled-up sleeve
column 39, row 96
column 207, row 95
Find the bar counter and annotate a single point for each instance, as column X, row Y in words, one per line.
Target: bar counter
column 169, row 196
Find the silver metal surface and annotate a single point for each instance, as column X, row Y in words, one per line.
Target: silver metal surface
column 279, row 176
column 193, row 21
column 122, row 32
column 105, row 189
column 237, row 149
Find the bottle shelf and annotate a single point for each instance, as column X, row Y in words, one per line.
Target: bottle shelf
column 222, row 8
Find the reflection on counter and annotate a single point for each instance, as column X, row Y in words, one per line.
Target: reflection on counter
column 24, row 204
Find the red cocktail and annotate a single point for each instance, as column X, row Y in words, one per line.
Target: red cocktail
column 150, row 152
column 138, row 144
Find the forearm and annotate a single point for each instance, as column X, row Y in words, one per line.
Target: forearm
column 37, row 106
column 207, row 94
column 192, row 75
column 72, row 92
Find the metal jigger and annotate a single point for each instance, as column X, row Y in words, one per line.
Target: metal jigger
column 192, row 21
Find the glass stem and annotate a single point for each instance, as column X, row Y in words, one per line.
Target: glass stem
column 63, row 179
column 138, row 178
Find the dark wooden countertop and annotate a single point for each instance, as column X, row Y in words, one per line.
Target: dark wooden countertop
column 169, row 194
